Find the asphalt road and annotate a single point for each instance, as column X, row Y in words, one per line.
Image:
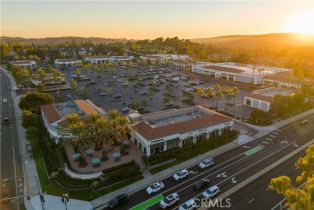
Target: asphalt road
column 11, row 167
column 233, row 166
column 257, row 195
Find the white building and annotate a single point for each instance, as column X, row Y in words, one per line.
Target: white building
column 107, row 59
column 283, row 80
column 262, row 99
column 24, row 63
column 160, row 131
column 67, row 62
column 244, row 73
column 54, row 114
column 164, row 57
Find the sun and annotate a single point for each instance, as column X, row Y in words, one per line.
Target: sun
column 302, row 23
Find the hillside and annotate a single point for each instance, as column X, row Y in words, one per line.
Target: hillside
column 264, row 41
column 59, row 40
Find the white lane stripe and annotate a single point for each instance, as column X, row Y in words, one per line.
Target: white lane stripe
column 242, row 170
column 210, row 169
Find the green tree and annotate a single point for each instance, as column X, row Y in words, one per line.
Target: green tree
column 298, row 198
column 74, row 84
column 29, row 119
column 33, row 101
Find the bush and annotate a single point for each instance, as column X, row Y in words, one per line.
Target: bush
column 259, row 117
column 190, row 150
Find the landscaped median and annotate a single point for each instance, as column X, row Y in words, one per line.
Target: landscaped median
column 187, row 152
column 148, row 203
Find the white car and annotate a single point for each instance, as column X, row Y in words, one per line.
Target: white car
column 180, row 175
column 4, row 100
column 155, row 188
column 211, row 192
column 188, row 205
column 206, row 163
column 169, row 200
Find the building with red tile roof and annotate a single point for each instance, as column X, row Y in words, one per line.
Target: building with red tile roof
column 161, row 131
column 53, row 115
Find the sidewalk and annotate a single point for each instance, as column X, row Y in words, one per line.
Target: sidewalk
column 102, row 201
column 32, row 187
column 29, row 167
column 55, row 203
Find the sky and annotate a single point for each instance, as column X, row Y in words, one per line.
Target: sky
column 148, row 19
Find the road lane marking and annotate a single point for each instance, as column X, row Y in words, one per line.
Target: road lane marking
column 233, row 180
column 241, row 170
column 254, row 150
column 148, row 203
column 250, row 201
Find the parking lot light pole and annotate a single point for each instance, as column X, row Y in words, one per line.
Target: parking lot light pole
column 65, row 199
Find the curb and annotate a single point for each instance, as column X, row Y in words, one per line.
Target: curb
column 263, row 171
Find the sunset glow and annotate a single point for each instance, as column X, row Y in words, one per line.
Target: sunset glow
column 302, row 23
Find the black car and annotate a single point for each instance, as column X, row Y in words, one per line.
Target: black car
column 118, row 200
column 201, row 184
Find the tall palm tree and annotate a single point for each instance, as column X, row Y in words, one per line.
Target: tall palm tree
column 235, row 92
column 229, row 92
column 218, row 92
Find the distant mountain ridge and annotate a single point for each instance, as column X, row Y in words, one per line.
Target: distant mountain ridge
column 259, row 41
column 59, row 40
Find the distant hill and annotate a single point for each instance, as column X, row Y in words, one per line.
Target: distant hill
column 264, row 41
column 59, row 40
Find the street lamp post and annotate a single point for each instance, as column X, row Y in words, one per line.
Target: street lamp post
column 65, row 199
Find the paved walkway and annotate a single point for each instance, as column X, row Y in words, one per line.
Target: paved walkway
column 55, row 203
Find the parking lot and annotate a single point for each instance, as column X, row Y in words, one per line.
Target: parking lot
column 152, row 88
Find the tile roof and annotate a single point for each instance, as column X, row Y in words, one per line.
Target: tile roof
column 85, row 106
column 51, row 113
column 225, row 69
column 151, row 133
column 260, row 97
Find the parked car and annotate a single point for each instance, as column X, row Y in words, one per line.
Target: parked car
column 180, row 175
column 155, row 188
column 103, row 94
column 188, row 205
column 201, row 184
column 169, row 200
column 211, row 192
column 206, row 163
column 118, row 96
column 6, row 120
column 4, row 100
column 118, row 200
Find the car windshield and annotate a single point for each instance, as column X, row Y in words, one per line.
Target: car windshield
column 168, row 199
column 185, row 206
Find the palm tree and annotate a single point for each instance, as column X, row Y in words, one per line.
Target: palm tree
column 123, row 129
column 235, row 92
column 41, row 75
column 218, row 93
column 229, row 92
column 201, row 91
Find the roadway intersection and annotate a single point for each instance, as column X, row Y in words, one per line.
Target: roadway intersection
column 230, row 167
